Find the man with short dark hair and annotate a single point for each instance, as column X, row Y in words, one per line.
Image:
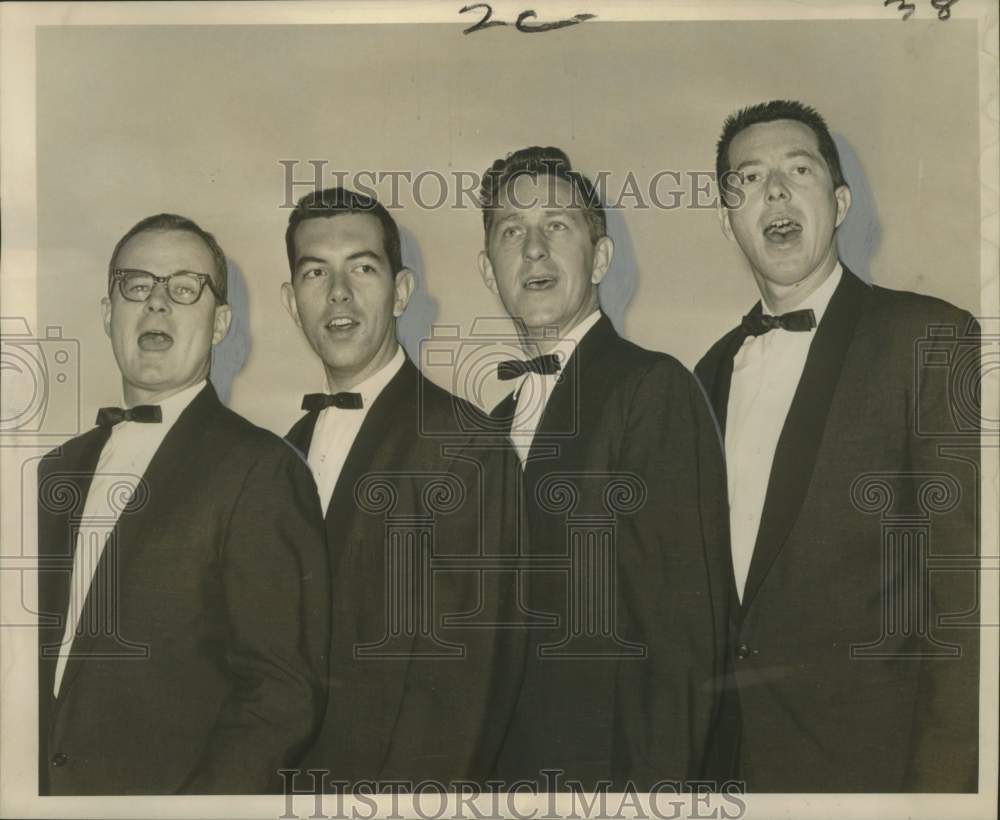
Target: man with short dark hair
column 415, row 501
column 853, row 666
column 624, row 583
column 183, row 594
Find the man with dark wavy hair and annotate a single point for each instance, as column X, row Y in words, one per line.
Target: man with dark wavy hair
column 847, row 672
column 625, row 640
column 418, row 668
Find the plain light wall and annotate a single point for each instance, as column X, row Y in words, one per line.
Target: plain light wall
column 137, row 120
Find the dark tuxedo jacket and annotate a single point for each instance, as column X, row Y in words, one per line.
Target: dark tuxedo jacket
column 840, row 670
column 422, row 517
column 625, row 473
column 200, row 668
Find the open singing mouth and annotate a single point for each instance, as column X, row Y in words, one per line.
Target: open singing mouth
column 782, row 230
column 540, row 282
column 153, row 340
column 341, row 323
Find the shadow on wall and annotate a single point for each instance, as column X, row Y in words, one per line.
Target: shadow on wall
column 415, row 324
column 619, row 283
column 860, row 232
column 231, row 354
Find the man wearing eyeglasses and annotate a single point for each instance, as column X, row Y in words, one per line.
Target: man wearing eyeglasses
column 184, row 614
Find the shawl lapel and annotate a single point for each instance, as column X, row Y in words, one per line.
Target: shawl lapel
column 70, row 477
column 799, row 442
column 394, row 408
column 721, row 380
column 172, row 460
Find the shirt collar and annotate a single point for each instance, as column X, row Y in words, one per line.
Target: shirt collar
column 371, row 387
column 819, row 299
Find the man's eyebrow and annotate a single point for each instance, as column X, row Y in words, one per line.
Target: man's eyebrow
column 795, row 152
column 509, row 217
column 801, row 152
column 309, row 260
column 365, row 254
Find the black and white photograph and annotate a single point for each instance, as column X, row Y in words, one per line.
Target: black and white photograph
column 483, row 410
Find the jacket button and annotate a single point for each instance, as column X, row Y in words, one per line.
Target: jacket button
column 59, row 759
column 743, row 651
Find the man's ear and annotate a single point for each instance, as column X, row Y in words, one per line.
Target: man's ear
column 604, row 251
column 106, row 314
column 843, row 197
column 405, row 285
column 288, row 300
column 486, row 271
column 223, row 316
column 725, row 224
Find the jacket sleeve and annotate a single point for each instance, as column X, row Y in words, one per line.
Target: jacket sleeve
column 276, row 587
column 944, row 450
column 675, row 577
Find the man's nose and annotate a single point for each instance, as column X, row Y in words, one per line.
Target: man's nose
column 340, row 288
column 535, row 245
column 776, row 187
column 159, row 299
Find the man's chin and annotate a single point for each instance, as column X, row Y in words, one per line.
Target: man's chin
column 785, row 272
column 537, row 322
column 344, row 366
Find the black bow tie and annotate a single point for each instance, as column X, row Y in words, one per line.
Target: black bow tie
column 511, row 369
column 757, row 324
column 343, row 401
column 143, row 413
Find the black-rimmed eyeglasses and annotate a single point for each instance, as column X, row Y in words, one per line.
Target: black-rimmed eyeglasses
column 183, row 287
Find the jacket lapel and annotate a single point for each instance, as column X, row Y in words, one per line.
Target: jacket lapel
column 721, row 380
column 798, row 445
column 301, row 434
column 561, row 417
column 389, row 410
column 503, row 413
column 169, row 464
column 70, row 476
column 394, row 410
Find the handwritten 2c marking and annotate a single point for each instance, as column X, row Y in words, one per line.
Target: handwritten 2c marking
column 521, row 24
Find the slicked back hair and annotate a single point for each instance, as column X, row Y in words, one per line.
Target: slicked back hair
column 332, row 202
column 769, row 112
column 174, row 222
column 533, row 162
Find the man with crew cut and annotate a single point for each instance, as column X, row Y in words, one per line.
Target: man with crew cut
column 854, row 667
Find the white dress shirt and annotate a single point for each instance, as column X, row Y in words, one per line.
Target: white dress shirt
column 336, row 429
column 533, row 392
column 123, row 461
column 766, row 373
